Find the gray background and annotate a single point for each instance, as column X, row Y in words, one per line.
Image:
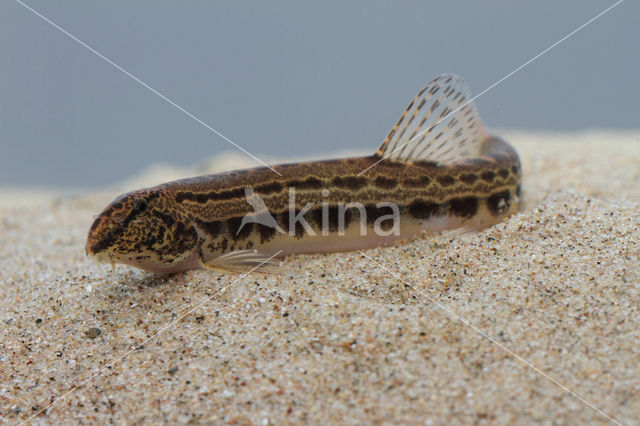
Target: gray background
column 288, row 78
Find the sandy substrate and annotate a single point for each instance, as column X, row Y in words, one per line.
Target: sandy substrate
column 549, row 302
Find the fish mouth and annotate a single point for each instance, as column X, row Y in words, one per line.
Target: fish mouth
column 90, row 248
column 98, row 243
column 101, row 258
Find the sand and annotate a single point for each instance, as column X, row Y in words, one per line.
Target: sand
column 536, row 319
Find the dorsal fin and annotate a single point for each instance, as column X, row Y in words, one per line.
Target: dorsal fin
column 430, row 130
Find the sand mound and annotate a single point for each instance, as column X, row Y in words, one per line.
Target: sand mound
column 534, row 320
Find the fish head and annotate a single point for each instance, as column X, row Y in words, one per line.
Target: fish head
column 144, row 229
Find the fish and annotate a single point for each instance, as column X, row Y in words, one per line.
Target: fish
column 436, row 171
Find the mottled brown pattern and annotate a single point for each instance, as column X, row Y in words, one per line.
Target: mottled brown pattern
column 143, row 225
column 202, row 216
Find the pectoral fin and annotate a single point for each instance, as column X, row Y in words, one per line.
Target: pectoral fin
column 244, row 261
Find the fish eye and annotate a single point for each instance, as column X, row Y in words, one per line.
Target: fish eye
column 140, row 205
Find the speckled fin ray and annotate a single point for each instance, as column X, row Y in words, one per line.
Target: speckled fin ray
column 430, row 130
column 243, row 261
